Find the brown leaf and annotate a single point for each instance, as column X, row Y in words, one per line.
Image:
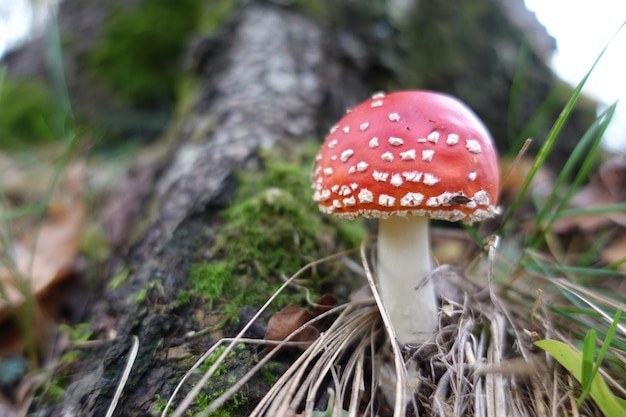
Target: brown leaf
column 325, row 303
column 282, row 324
column 286, row 321
column 45, row 256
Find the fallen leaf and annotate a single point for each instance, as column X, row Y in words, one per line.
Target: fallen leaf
column 325, row 303
column 286, row 321
column 46, row 255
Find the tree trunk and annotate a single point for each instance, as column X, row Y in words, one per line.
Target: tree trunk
column 264, row 84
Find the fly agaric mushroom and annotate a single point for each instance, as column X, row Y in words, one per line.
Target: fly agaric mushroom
column 406, row 157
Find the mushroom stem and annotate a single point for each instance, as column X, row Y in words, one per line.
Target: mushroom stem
column 403, row 268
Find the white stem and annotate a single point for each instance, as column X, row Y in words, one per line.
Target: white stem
column 403, row 266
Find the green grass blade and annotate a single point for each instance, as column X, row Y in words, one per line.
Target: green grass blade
column 592, row 370
column 516, row 94
column 593, row 211
column 584, row 154
column 63, row 125
column 609, row 336
column 15, row 213
column 552, row 136
column 616, row 264
column 570, row 359
column 589, row 352
column 582, row 272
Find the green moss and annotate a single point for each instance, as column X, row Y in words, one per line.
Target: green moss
column 28, row 113
column 139, row 54
column 208, row 279
column 203, row 400
column 213, row 357
column 118, row 278
column 272, row 372
column 54, row 394
column 141, row 295
column 230, row 370
column 183, row 298
column 79, row 333
column 271, row 230
column 159, row 404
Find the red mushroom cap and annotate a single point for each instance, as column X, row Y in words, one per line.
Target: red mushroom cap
column 408, row 153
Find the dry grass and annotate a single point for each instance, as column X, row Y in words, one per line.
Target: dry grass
column 481, row 362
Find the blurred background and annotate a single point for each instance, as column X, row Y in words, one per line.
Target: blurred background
column 581, row 30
